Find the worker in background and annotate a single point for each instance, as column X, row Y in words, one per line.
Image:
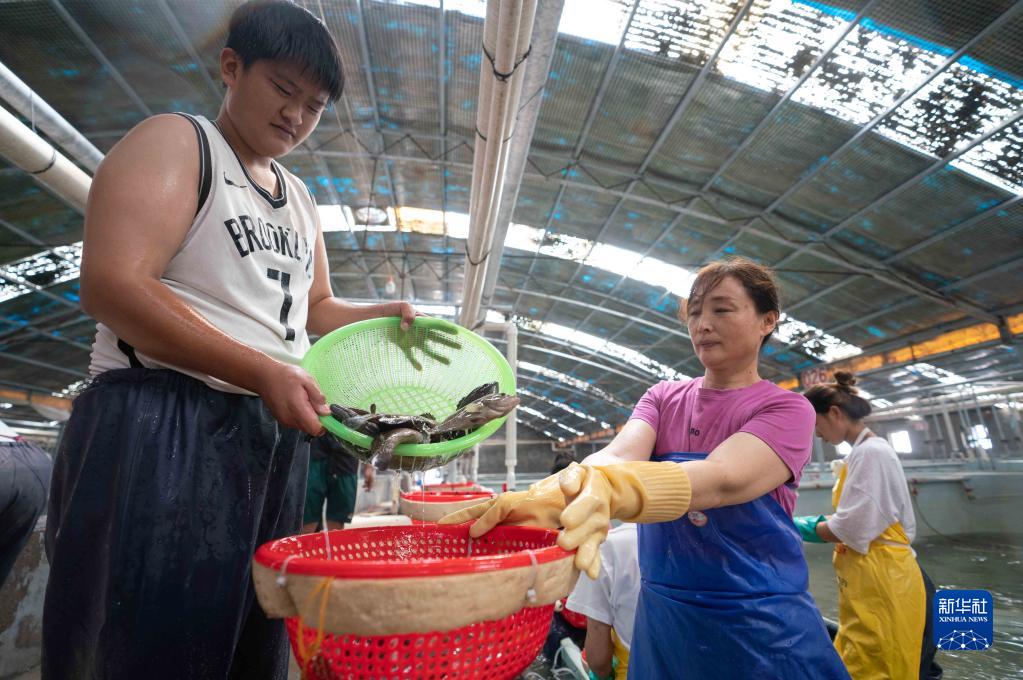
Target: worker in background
column 333, row 479
column 24, row 482
column 884, row 597
column 609, row 603
column 205, row 266
column 709, row 467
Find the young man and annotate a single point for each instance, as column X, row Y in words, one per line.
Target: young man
column 205, row 266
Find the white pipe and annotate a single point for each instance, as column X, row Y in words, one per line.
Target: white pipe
column 31, row 153
column 35, row 109
column 499, row 42
column 506, row 34
column 538, row 66
column 511, row 426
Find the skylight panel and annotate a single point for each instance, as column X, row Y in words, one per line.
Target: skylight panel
column 814, row 341
column 537, row 414
column 601, row 21
column 580, row 385
column 46, row 268
column 932, row 372
column 563, row 406
column 603, row 346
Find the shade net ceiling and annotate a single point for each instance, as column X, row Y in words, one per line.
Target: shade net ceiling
column 869, row 151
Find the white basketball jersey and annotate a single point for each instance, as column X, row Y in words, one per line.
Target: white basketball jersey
column 246, row 263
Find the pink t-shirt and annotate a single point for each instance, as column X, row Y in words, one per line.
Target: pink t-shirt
column 690, row 418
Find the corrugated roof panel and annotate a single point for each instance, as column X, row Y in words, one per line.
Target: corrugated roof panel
column 62, row 69
column 403, row 53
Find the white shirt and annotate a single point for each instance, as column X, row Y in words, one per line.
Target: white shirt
column 611, row 599
column 246, row 264
column 874, row 497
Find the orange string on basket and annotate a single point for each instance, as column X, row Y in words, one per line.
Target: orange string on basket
column 305, row 654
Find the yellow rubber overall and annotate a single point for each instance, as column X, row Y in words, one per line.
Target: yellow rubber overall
column 881, row 605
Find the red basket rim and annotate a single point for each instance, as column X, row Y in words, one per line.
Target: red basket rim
column 441, row 486
column 445, row 496
column 274, row 553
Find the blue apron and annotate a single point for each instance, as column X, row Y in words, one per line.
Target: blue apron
column 724, row 595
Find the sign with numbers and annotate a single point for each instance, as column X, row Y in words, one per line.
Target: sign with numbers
column 814, row 376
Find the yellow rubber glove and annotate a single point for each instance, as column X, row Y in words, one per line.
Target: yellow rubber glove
column 632, row 492
column 640, row 491
column 540, row 506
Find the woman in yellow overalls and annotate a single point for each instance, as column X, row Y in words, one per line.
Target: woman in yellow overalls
column 883, row 595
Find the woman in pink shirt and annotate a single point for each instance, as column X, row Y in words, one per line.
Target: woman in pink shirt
column 708, row 467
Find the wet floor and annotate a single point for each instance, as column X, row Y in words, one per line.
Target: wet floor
column 993, row 563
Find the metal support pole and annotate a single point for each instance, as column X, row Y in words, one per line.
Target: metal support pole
column 1003, row 443
column 937, row 438
column 511, row 334
column 953, row 441
column 984, row 455
column 966, row 430
column 1015, row 422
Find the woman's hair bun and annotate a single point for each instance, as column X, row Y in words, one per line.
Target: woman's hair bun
column 845, row 379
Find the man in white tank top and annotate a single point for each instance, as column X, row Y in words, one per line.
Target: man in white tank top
column 205, row 266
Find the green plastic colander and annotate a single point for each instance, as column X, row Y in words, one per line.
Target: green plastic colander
column 362, row 364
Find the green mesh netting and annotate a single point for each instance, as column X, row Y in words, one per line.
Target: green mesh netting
column 363, row 364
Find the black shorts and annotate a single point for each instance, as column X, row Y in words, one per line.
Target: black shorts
column 162, row 490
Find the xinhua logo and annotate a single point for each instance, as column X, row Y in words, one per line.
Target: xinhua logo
column 963, row 620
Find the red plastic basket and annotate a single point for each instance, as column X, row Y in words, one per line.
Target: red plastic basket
column 492, row 649
column 575, row 619
column 445, row 496
column 456, row 487
column 498, row 649
column 430, row 506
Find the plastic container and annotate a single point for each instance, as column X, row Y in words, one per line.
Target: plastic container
column 454, row 487
column 430, row 506
column 417, row 602
column 363, row 364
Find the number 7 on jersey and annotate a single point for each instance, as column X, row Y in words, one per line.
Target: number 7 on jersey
column 285, row 279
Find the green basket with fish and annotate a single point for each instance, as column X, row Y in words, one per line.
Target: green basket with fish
column 373, row 367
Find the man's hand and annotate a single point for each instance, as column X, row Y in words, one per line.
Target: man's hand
column 368, row 477
column 411, row 338
column 293, row 397
column 408, row 314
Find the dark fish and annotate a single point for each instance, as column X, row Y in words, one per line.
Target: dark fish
column 419, row 423
column 477, row 394
column 341, row 412
column 477, row 413
column 356, row 419
column 383, row 445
